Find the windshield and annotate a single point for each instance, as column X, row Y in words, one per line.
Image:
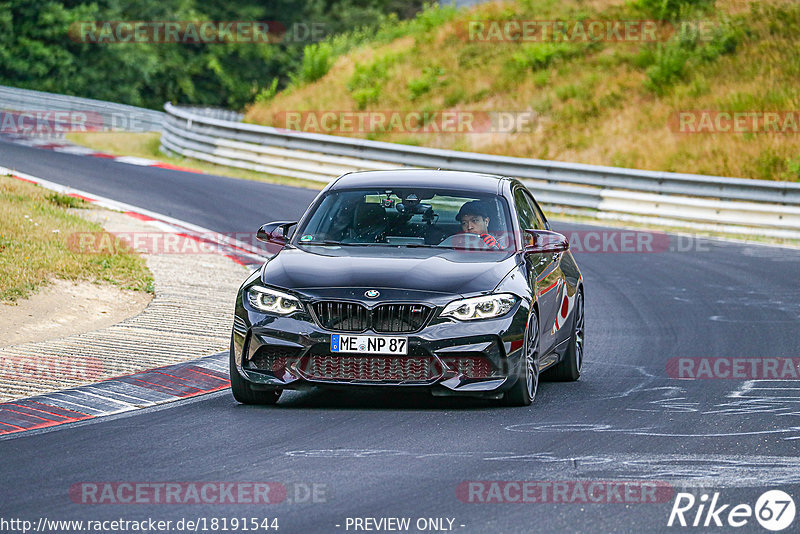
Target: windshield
column 409, row 218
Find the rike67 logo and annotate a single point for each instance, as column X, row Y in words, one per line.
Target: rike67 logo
column 774, row 510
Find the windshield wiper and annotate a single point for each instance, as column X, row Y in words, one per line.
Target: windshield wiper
column 420, row 245
column 337, row 243
column 340, row 243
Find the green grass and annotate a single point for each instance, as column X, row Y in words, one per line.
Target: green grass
column 420, row 27
column 367, row 80
column 689, row 48
column 431, row 77
column 600, row 102
column 317, row 61
column 37, row 243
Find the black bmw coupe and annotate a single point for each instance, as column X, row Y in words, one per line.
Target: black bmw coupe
column 448, row 281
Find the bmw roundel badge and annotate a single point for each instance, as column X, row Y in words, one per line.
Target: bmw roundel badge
column 372, row 293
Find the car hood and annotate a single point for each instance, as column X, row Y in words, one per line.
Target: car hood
column 428, row 270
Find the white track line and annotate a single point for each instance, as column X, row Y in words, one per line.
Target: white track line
column 177, row 224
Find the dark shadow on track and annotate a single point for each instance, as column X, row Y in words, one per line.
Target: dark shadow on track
column 332, row 399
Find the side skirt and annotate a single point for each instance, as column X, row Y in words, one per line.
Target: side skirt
column 554, row 356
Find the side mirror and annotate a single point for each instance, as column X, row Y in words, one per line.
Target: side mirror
column 275, row 232
column 544, row 242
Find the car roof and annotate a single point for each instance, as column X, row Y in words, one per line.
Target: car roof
column 462, row 181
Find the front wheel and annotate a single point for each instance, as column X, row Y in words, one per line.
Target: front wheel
column 524, row 390
column 243, row 392
column 569, row 369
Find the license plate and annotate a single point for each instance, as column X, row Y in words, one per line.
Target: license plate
column 369, row 344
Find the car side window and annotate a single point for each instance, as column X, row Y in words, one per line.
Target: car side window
column 525, row 213
column 542, row 222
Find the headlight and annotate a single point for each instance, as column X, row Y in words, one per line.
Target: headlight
column 484, row 307
column 271, row 301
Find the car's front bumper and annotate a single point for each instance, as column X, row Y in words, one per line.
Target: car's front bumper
column 445, row 344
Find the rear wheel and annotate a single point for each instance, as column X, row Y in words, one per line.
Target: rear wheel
column 524, row 390
column 243, row 391
column 569, row 369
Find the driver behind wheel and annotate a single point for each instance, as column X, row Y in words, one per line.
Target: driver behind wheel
column 474, row 219
column 369, row 221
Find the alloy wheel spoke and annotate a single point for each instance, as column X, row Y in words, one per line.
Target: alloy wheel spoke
column 579, row 332
column 532, row 371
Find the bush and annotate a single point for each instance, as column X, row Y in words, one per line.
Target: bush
column 454, row 97
column 669, row 66
column 66, row 201
column 367, row 80
column 724, row 40
column 426, row 82
column 540, row 55
column 793, row 165
column 317, row 61
column 429, row 19
column 672, row 9
column 367, row 95
column 671, row 61
column 390, row 28
column 268, row 93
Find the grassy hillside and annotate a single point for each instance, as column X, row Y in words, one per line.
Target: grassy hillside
column 601, row 102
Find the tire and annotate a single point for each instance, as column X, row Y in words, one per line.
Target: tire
column 523, row 391
column 569, row 368
column 242, row 391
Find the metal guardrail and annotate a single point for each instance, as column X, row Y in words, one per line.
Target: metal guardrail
column 215, row 113
column 728, row 205
column 85, row 112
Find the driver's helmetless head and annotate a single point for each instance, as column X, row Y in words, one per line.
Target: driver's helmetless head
column 343, row 216
column 474, row 218
column 475, row 224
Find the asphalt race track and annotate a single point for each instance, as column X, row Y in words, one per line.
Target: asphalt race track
column 373, row 455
